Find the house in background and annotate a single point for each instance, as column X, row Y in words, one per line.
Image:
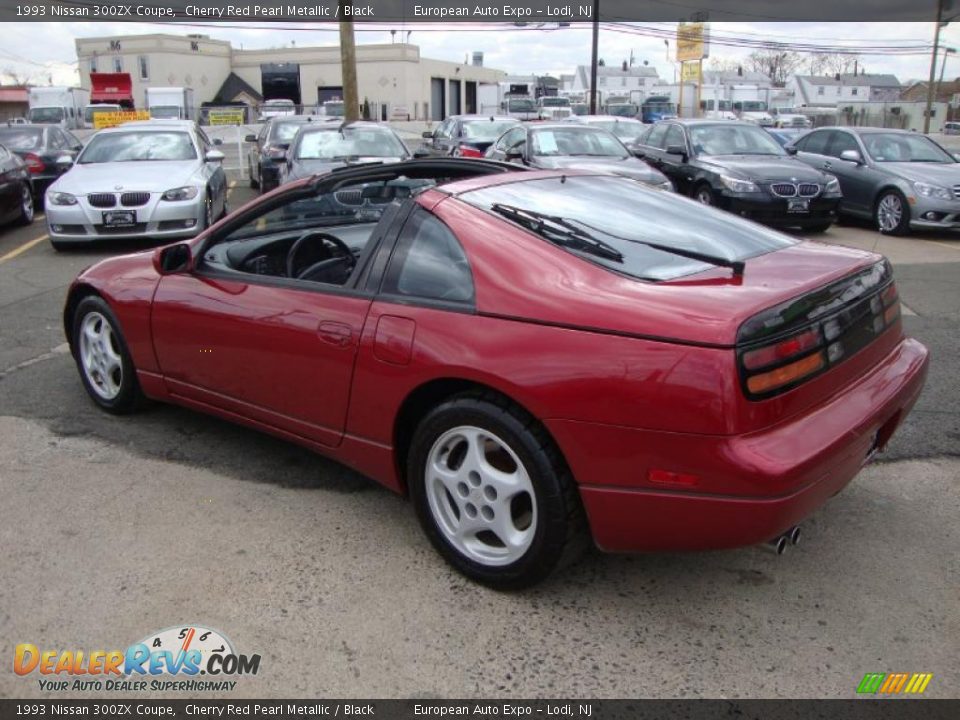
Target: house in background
column 829, row 91
column 635, row 82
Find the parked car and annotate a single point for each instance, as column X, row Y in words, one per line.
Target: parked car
column 155, row 178
column 464, row 135
column 16, row 189
column 530, row 357
column 279, row 107
column 269, row 149
column 47, row 150
column 322, row 147
column 739, row 167
column 573, row 146
column 951, row 128
column 627, row 130
column 785, row 136
column 902, row 180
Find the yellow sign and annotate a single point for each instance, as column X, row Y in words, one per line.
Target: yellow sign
column 690, row 71
column 226, row 116
column 113, row 118
column 692, row 41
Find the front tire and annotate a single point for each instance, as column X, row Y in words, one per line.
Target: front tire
column 704, row 195
column 102, row 357
column 492, row 492
column 892, row 214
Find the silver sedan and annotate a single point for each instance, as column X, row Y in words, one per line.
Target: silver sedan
column 139, row 180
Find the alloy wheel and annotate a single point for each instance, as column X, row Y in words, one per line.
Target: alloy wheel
column 100, row 356
column 26, row 204
column 889, row 212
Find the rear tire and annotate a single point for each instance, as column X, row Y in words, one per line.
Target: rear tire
column 892, row 213
column 26, row 205
column 492, row 492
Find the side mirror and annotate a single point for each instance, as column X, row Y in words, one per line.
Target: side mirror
column 172, row 259
column 956, row 156
column 64, row 162
column 513, row 155
column 852, row 156
column 217, row 141
column 677, row 150
column 791, row 150
column 77, row 148
column 250, row 138
column 420, row 153
column 427, row 135
column 214, row 156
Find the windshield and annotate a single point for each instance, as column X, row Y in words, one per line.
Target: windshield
column 904, row 147
column 283, row 132
column 576, row 140
column 624, row 214
column 349, row 142
column 520, row 105
column 140, row 145
column 166, row 112
column 622, row 110
column 18, row 140
column 580, row 109
column 486, row 129
column 733, row 140
column 754, row 106
column 45, row 114
column 333, row 109
column 623, row 129
column 554, row 102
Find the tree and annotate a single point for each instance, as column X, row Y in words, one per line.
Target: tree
column 17, row 77
column 775, row 64
column 831, row 63
column 722, row 64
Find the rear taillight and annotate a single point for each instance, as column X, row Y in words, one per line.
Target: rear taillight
column 815, row 333
column 34, row 163
column 468, row 152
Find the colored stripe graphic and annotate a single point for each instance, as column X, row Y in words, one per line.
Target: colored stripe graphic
column 894, row 683
column 871, row 682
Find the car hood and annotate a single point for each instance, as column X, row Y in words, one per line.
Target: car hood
column 148, row 176
column 946, row 174
column 629, row 167
column 307, row 168
column 762, row 167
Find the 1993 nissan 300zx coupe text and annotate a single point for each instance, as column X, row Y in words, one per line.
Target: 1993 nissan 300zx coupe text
column 534, row 356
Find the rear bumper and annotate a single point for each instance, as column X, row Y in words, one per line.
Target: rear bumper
column 773, row 211
column 752, row 487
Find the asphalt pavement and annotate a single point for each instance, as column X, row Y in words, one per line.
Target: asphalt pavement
column 112, row 528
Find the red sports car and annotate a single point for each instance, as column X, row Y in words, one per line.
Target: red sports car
column 531, row 355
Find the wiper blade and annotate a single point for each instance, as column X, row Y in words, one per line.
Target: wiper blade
column 736, row 265
column 559, row 231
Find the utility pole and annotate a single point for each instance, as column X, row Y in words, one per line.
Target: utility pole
column 933, row 68
column 348, row 67
column 593, row 58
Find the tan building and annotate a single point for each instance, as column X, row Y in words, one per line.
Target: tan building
column 393, row 78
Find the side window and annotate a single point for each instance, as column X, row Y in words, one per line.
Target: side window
column 428, row 262
column 72, row 140
column 815, row 142
column 444, row 130
column 511, row 138
column 656, row 136
column 842, row 141
column 675, row 137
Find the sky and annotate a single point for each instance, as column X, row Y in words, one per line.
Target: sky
column 50, row 55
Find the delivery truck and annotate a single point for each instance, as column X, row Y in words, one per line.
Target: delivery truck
column 170, row 103
column 61, row 106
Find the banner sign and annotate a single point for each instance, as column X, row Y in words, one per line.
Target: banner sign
column 113, row 118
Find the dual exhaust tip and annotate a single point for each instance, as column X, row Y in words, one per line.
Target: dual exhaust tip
column 779, row 544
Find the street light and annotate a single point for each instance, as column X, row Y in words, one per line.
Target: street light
column 943, row 66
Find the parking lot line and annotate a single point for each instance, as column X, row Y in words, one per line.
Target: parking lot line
column 943, row 244
column 23, row 248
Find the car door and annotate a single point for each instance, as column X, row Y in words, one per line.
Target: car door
column 674, row 165
column 858, row 181
column 272, row 349
column 215, row 175
column 9, row 183
column 650, row 145
column 449, row 138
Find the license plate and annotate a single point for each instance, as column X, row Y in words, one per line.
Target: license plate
column 798, row 205
column 120, row 218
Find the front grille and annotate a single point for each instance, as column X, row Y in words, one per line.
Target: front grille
column 121, row 230
column 784, row 189
column 349, row 197
column 134, row 199
column 102, row 200
column 956, row 191
column 808, row 189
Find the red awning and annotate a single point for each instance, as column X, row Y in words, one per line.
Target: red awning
column 111, row 87
column 13, row 95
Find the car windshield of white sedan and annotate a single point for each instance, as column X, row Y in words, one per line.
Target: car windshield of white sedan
column 347, row 143
column 21, row 139
column 733, row 140
column 486, row 129
column 134, row 146
column 576, row 140
column 901, row 147
column 615, row 223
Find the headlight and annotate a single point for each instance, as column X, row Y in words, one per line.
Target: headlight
column 180, row 193
column 61, row 198
column 832, row 187
column 932, row 191
column 668, row 186
column 737, row 185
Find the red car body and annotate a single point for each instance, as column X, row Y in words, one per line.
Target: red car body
column 637, row 382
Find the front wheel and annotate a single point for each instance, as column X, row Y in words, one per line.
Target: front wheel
column 892, row 213
column 102, row 357
column 26, row 205
column 492, row 493
column 704, row 195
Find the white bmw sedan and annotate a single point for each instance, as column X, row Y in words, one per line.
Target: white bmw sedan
column 138, row 180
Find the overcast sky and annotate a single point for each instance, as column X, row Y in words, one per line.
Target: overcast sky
column 41, row 51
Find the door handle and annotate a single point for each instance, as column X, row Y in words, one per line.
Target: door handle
column 827, row 165
column 335, row 333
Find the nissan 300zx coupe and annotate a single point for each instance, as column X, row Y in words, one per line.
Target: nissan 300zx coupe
column 537, row 358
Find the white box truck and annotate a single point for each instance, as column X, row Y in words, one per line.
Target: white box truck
column 61, row 106
column 170, row 103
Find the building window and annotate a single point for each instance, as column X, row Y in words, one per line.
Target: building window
column 195, row 46
column 93, row 64
column 118, row 64
column 854, row 91
column 839, row 89
column 144, row 67
column 820, row 90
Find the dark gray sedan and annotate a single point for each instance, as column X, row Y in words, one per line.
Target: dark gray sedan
column 902, row 180
column 319, row 148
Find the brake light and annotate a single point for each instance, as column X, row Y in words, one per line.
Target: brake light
column 470, row 152
column 34, row 163
column 786, row 375
column 782, row 350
